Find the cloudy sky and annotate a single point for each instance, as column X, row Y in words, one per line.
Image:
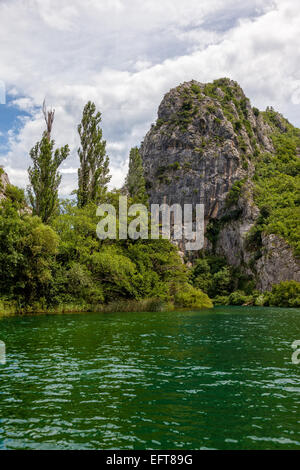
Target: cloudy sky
column 125, row 55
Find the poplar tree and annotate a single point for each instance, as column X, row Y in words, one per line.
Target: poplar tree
column 135, row 181
column 44, row 177
column 93, row 174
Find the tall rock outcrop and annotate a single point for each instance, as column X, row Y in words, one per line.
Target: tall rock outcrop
column 203, row 149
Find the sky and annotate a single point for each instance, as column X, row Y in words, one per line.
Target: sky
column 125, row 55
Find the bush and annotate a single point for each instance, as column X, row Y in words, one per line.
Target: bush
column 159, row 123
column 191, row 297
column 222, row 281
column 285, row 294
column 27, row 255
column 234, row 193
column 213, row 276
column 6, row 307
column 259, row 300
column 221, row 300
column 16, row 195
column 174, row 166
column 238, row 126
column 239, row 298
column 196, row 89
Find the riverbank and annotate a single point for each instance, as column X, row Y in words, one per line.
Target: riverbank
column 188, row 298
column 283, row 295
column 148, row 305
column 126, row 306
column 121, row 306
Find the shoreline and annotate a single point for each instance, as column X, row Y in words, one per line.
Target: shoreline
column 148, row 305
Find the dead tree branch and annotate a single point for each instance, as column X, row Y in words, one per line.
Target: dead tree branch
column 49, row 118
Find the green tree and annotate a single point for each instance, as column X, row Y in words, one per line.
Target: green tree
column 93, row 174
column 27, row 253
column 222, row 282
column 135, row 181
column 285, row 294
column 190, row 297
column 44, row 177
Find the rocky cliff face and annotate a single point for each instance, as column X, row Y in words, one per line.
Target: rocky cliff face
column 202, row 149
column 4, row 181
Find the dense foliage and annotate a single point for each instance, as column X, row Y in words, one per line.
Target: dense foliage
column 27, row 253
column 66, row 266
column 226, row 285
column 285, row 294
column 63, row 265
column 277, row 177
column 216, row 278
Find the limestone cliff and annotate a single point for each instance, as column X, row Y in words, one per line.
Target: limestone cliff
column 4, row 181
column 203, row 149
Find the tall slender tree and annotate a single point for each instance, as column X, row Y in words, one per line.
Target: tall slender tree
column 44, row 177
column 135, row 181
column 93, row 174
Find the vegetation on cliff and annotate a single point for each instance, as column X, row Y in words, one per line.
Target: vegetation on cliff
column 227, row 285
column 277, row 178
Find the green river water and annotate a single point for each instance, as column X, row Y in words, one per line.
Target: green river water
column 221, row 379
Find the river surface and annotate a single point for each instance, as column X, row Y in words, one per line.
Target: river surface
column 221, row 379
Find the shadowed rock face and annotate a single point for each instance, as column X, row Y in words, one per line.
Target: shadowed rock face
column 206, row 138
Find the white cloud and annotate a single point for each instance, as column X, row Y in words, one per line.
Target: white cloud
column 125, row 55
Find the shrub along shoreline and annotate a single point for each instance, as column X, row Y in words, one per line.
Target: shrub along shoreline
column 122, row 306
column 283, row 295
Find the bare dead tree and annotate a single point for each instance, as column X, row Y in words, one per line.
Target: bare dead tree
column 49, row 118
